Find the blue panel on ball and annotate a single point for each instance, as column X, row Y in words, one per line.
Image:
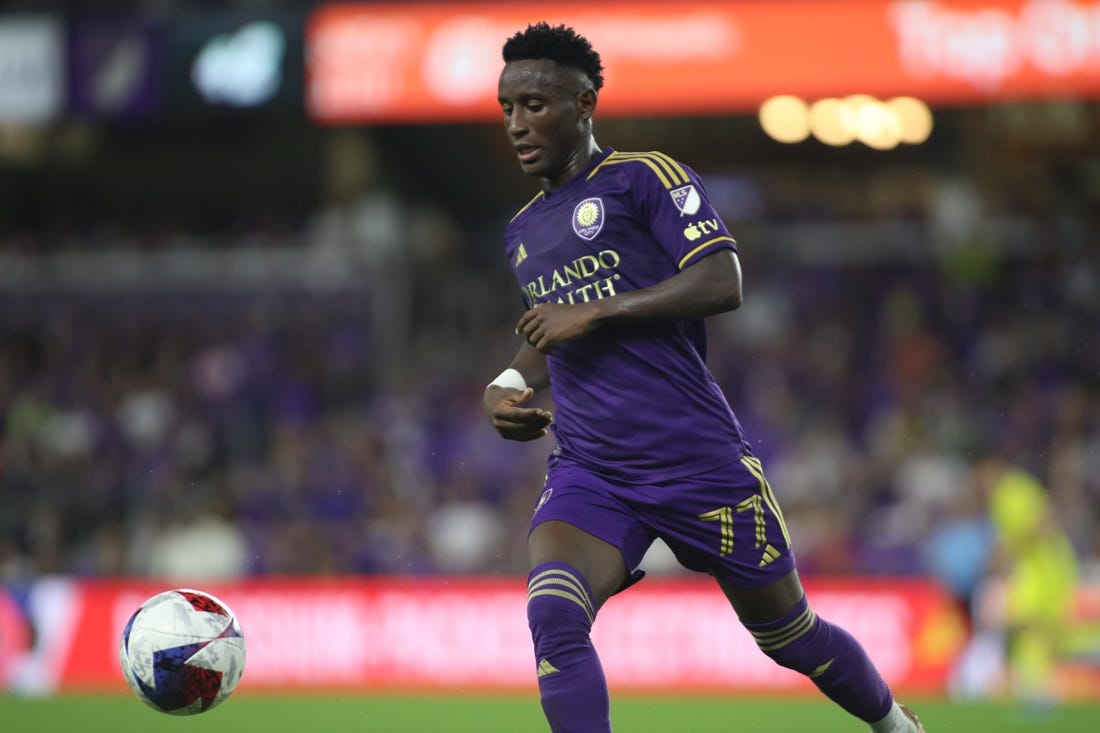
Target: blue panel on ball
column 126, row 631
column 177, row 684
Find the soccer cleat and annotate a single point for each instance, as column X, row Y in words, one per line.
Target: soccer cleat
column 913, row 717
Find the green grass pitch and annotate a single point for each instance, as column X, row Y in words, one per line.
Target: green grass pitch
column 513, row 714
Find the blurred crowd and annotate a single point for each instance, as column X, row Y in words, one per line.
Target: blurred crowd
column 895, row 326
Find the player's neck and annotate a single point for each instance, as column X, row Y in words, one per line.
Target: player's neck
column 577, row 163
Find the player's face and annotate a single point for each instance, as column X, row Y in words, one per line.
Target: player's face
column 547, row 110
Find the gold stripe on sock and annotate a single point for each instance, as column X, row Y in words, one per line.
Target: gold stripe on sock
column 565, row 579
column 804, row 623
column 562, row 594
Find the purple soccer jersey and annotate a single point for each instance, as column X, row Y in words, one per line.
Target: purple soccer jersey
column 633, row 402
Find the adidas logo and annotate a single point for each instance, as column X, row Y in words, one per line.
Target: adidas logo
column 822, row 669
column 521, row 255
column 770, row 555
column 546, row 669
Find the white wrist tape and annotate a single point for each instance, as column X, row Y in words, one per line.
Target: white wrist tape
column 510, row 378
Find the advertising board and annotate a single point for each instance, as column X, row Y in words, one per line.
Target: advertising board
column 451, row 634
column 440, row 61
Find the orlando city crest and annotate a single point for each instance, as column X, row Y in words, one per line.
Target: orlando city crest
column 588, row 218
column 544, row 497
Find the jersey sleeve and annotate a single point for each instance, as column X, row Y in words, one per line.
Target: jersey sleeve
column 674, row 203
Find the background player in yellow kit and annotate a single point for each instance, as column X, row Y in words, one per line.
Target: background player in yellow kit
column 1039, row 565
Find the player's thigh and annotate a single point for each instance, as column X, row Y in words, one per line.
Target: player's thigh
column 600, row 562
column 578, row 520
column 767, row 603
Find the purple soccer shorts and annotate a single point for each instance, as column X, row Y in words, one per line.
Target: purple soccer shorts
column 725, row 522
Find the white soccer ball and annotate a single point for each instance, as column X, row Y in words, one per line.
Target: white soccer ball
column 182, row 652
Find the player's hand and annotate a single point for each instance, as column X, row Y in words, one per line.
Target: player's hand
column 503, row 407
column 549, row 324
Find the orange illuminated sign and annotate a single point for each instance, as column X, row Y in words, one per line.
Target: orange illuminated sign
column 462, row 634
column 434, row 62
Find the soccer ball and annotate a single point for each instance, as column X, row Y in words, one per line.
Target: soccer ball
column 182, row 652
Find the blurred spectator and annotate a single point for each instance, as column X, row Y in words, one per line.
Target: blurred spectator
column 192, row 547
column 957, row 549
column 266, row 395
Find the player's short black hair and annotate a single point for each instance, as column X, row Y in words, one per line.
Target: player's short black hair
column 560, row 44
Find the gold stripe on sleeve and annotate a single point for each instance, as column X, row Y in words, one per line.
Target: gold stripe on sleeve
column 672, row 177
column 616, row 158
column 704, row 245
column 668, row 171
column 678, row 169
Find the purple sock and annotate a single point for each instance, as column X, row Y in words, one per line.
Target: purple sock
column 571, row 681
column 830, row 657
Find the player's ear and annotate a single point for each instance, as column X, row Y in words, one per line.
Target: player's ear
column 586, row 103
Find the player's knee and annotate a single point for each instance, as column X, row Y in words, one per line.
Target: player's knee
column 803, row 655
column 559, row 605
column 798, row 642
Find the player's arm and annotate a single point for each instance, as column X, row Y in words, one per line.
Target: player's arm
column 504, row 398
column 709, row 286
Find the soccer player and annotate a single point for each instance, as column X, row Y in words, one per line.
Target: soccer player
column 1039, row 565
column 619, row 258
